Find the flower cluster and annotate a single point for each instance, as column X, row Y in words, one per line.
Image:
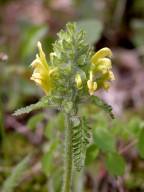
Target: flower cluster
column 100, row 72
column 72, row 64
column 43, row 75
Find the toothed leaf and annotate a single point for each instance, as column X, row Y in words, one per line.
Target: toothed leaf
column 44, row 102
column 80, row 140
column 103, row 105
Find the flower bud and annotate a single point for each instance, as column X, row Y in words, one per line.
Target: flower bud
column 78, row 81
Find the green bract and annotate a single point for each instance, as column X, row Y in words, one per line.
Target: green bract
column 72, row 58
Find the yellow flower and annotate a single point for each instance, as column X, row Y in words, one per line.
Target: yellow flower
column 102, row 53
column 100, row 60
column 92, row 86
column 101, row 69
column 78, row 81
column 111, row 76
column 42, row 74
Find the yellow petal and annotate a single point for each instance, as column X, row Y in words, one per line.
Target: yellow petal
column 106, row 62
column 92, row 86
column 36, row 75
column 53, row 70
column 104, row 52
column 35, row 63
column 101, row 68
column 38, row 81
column 91, row 76
column 111, row 76
column 106, row 86
column 42, row 55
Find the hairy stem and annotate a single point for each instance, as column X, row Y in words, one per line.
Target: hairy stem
column 68, row 156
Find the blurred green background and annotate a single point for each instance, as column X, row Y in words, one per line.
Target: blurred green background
column 118, row 24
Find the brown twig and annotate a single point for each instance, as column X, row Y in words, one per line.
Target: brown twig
column 127, row 147
column 119, row 183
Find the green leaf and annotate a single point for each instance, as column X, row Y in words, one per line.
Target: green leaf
column 115, row 164
column 141, row 143
column 48, row 158
column 48, row 42
column 48, row 130
column 134, row 126
column 104, row 140
column 80, row 140
column 29, row 108
column 40, row 104
column 54, row 125
column 13, row 180
column 93, row 29
column 60, row 121
column 31, row 35
column 91, row 154
column 47, row 163
column 104, row 106
column 138, row 31
column 34, row 120
column 85, row 8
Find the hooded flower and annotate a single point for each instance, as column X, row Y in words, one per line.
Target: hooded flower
column 100, row 73
column 43, row 74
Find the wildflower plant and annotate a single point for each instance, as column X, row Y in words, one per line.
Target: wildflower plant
column 70, row 77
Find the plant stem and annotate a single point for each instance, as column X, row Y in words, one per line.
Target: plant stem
column 79, row 181
column 68, row 156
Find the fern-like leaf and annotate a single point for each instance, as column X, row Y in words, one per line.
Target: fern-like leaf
column 103, row 105
column 13, row 180
column 80, row 140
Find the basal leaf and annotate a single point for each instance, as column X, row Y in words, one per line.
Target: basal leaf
column 91, row 154
column 104, row 140
column 115, row 164
column 13, row 180
column 48, row 158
